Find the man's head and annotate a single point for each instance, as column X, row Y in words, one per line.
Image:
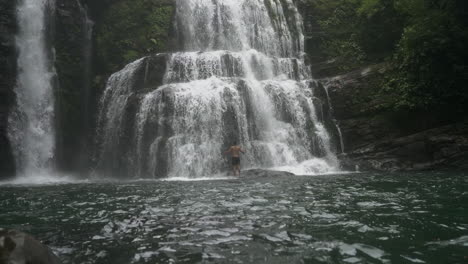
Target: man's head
column 234, row 143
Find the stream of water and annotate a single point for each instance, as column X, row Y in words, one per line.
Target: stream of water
column 31, row 129
column 350, row 218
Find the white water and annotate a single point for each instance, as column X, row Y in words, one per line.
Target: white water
column 31, row 129
column 46, row 178
column 239, row 25
column 242, row 78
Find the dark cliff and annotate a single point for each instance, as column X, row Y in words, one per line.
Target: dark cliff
column 386, row 140
column 72, row 93
column 376, row 136
column 7, row 82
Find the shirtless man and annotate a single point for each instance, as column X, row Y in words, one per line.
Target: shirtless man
column 235, row 151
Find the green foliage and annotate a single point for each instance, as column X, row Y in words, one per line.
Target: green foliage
column 369, row 7
column 423, row 41
column 132, row 29
column 430, row 69
column 358, row 32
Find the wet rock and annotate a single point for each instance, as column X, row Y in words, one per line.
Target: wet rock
column 438, row 148
column 313, row 38
column 72, row 89
column 356, row 93
column 151, row 75
column 391, row 141
column 20, row 248
column 7, row 82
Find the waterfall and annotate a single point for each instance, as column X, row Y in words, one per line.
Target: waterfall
column 30, row 128
column 241, row 77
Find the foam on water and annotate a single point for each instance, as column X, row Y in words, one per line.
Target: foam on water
column 42, row 179
column 309, row 167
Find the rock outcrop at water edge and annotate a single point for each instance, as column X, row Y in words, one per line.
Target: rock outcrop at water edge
column 20, row 248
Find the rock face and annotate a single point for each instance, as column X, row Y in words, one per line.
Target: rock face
column 7, row 82
column 126, row 30
column 70, row 91
column 438, row 148
column 375, row 139
column 321, row 66
column 20, row 248
column 391, row 141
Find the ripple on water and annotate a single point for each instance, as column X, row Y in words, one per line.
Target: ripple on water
column 335, row 219
column 460, row 241
column 227, row 240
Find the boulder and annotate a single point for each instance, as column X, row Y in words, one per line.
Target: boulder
column 20, row 248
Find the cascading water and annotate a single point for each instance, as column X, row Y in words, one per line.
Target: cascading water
column 31, row 129
column 241, row 78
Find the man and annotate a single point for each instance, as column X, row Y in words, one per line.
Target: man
column 235, row 151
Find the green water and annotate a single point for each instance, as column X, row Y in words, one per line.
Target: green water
column 354, row 218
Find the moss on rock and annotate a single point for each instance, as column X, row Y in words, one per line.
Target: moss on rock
column 131, row 29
